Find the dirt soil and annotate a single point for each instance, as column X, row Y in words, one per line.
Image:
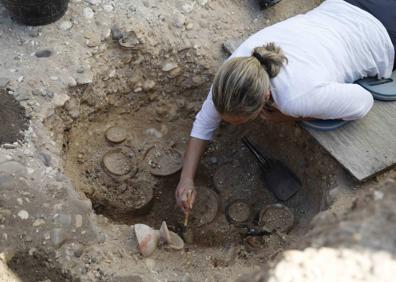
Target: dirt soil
column 68, row 215
column 13, row 118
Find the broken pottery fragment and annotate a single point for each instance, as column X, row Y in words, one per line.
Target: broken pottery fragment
column 147, row 238
column 171, row 239
column 164, row 233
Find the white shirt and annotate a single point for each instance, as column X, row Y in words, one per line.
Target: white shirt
column 328, row 49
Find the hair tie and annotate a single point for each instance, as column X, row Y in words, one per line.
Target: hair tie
column 261, row 60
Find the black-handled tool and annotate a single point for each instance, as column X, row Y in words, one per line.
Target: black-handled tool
column 279, row 179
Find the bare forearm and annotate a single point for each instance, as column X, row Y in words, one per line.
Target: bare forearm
column 192, row 156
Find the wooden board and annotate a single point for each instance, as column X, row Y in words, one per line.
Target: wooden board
column 364, row 147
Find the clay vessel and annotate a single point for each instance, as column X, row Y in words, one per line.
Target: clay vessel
column 147, row 238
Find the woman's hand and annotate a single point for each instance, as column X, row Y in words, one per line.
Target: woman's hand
column 185, row 194
column 186, row 187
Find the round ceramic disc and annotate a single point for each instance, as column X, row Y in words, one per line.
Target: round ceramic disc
column 238, row 211
column 205, row 206
column 116, row 134
column 164, row 161
column 277, row 217
column 117, row 162
column 138, row 197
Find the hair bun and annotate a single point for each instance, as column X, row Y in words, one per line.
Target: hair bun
column 271, row 58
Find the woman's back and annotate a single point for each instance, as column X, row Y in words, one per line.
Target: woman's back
column 327, row 48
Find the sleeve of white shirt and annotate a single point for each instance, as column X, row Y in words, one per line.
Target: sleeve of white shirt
column 206, row 121
column 331, row 101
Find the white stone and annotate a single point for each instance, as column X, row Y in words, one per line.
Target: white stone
column 188, row 7
column 79, row 220
column 23, row 214
column 378, row 195
column 20, row 201
column 88, row 13
column 38, row 222
column 169, row 66
column 179, row 19
column 202, row 2
column 60, row 99
column 65, row 25
column 108, row 8
column 93, row 2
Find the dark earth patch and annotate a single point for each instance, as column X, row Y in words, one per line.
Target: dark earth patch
column 12, row 117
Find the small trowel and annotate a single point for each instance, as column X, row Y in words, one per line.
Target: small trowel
column 186, row 233
column 280, row 180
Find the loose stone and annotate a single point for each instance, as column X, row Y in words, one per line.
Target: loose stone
column 108, row 8
column 65, row 25
column 88, row 13
column 116, row 33
column 169, row 66
column 179, row 20
column 45, row 53
column 23, row 214
column 38, row 222
column 93, row 2
column 79, row 220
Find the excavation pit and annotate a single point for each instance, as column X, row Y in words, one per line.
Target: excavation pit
column 142, row 156
column 143, row 136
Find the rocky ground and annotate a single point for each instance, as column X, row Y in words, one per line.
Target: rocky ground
column 74, row 80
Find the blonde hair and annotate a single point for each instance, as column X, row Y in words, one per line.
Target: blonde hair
column 240, row 83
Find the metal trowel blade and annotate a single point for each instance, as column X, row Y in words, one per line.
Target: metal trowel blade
column 280, row 180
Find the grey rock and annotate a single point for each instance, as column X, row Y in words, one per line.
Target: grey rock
column 45, row 53
column 45, row 158
column 116, row 33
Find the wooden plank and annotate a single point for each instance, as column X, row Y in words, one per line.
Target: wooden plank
column 367, row 146
column 364, row 147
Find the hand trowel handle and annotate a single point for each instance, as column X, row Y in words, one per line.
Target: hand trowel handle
column 263, row 163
